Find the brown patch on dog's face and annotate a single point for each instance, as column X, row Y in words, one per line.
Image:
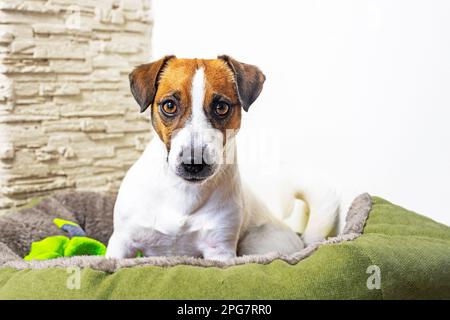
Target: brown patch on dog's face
column 229, row 86
column 220, row 94
column 175, row 86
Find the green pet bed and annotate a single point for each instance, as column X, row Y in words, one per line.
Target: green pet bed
column 384, row 252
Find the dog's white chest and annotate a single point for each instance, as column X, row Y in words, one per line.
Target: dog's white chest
column 169, row 221
column 173, row 233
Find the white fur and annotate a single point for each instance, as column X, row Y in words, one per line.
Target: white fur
column 306, row 204
column 160, row 214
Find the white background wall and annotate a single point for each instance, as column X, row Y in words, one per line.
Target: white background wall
column 356, row 91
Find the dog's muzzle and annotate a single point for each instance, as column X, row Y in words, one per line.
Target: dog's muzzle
column 195, row 168
column 195, row 172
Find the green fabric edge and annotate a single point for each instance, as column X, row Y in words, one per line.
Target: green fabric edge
column 413, row 254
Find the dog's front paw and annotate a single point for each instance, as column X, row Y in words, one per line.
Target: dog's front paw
column 222, row 256
column 119, row 248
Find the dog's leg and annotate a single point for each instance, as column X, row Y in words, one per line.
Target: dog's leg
column 219, row 247
column 118, row 247
column 270, row 237
column 219, row 253
column 323, row 204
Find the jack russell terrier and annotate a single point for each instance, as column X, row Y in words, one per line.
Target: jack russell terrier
column 184, row 195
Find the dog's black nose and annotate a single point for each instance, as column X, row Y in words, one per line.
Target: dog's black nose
column 193, row 168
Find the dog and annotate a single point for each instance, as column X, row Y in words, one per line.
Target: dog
column 184, row 195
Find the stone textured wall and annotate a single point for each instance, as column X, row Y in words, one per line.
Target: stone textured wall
column 67, row 118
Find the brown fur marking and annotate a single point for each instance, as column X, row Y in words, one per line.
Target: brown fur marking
column 177, row 78
column 226, row 79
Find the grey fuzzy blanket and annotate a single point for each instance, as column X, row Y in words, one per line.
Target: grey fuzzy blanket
column 94, row 213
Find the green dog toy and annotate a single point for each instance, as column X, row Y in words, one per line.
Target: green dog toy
column 61, row 246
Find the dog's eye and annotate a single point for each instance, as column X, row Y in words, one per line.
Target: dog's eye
column 221, row 109
column 169, row 108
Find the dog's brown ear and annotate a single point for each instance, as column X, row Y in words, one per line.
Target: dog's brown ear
column 144, row 81
column 249, row 80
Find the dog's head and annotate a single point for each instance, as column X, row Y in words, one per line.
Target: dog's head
column 196, row 108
